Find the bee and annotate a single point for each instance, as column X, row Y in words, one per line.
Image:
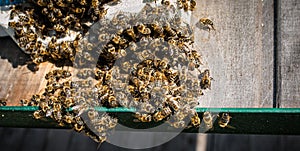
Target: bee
column 197, row 58
column 193, row 5
column 23, row 41
column 113, row 101
column 102, row 37
column 122, row 52
column 208, row 23
column 205, row 82
column 57, row 12
column 14, row 24
column 185, row 5
column 169, row 31
column 132, row 46
column 41, row 2
column 60, row 3
column 38, row 60
column 57, row 107
column 112, row 123
column 14, row 12
column 195, row 120
column 173, row 102
column 65, row 74
column 148, row 108
column 69, row 102
column 38, row 114
column 163, row 64
column 57, row 116
column 157, row 28
column 78, row 127
column 78, row 11
column 208, row 120
column 3, row 102
column 92, row 115
column 179, row 4
column 99, row 74
column 59, row 28
column 82, row 2
column 178, row 124
column 165, row 2
column 224, row 121
column 25, row 102
column 143, row 117
column 68, row 118
column 44, row 106
column 160, row 115
column 95, row 3
column 130, row 32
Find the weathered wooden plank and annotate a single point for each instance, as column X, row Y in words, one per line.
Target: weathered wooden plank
column 288, row 53
column 17, row 80
column 239, row 53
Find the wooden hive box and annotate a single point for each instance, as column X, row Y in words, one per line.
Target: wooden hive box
column 253, row 56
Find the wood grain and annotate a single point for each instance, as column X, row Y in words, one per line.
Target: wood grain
column 289, row 54
column 239, row 53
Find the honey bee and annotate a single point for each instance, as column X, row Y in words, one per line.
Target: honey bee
column 195, row 120
column 132, row 46
column 173, row 102
column 178, row 124
column 25, row 102
column 78, row 127
column 60, row 3
column 143, row 117
column 59, row 28
column 57, row 116
column 130, row 32
column 3, row 102
column 82, row 2
column 78, row 11
column 148, row 108
column 38, row 60
column 113, row 101
column 157, row 28
column 92, row 115
column 169, row 31
column 160, row 115
column 68, row 118
column 193, row 5
column 41, row 2
column 206, row 80
column 38, row 114
column 112, row 123
column 68, row 102
column 208, row 23
column 208, row 120
column 179, row 4
column 165, row 2
column 224, row 121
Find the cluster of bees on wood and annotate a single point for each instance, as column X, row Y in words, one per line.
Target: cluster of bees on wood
column 146, row 61
column 42, row 26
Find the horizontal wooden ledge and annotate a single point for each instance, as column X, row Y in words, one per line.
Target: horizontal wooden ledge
column 244, row 120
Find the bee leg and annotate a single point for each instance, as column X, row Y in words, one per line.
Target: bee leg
column 231, row 127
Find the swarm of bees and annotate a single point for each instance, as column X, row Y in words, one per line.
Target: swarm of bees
column 145, row 60
column 45, row 28
column 186, row 5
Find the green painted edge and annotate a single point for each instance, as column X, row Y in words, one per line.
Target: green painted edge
column 230, row 110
